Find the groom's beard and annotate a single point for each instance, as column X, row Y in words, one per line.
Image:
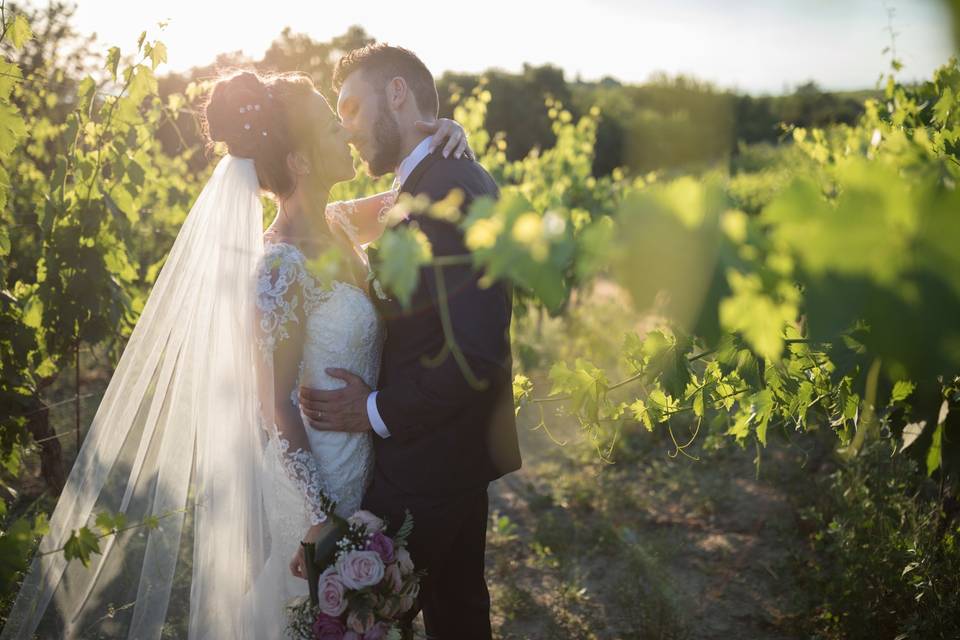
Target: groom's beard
column 386, row 143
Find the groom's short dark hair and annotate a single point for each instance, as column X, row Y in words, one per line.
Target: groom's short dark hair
column 381, row 62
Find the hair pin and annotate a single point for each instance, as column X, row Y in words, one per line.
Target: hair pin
column 246, row 125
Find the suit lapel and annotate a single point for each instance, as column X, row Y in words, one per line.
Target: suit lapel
column 410, row 184
column 391, row 307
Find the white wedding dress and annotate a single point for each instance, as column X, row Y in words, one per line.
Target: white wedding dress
column 341, row 329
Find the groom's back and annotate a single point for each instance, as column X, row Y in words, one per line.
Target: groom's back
column 451, row 430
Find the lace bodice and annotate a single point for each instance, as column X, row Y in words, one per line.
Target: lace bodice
column 335, row 325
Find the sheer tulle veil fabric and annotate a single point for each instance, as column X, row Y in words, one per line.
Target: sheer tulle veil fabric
column 177, row 436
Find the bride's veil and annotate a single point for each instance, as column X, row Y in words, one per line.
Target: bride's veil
column 176, row 436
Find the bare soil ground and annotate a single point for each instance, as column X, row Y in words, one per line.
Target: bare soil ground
column 649, row 547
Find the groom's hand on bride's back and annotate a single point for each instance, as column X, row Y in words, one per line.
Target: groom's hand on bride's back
column 342, row 409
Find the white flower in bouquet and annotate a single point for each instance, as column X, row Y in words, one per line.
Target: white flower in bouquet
column 372, row 523
column 404, row 561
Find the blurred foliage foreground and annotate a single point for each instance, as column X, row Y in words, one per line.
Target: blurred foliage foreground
column 818, row 291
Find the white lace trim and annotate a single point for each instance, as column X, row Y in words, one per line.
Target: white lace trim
column 388, row 204
column 341, row 213
column 303, row 470
column 283, row 265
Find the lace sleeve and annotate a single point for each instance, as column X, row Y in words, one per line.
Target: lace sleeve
column 342, row 213
column 283, row 287
column 359, row 218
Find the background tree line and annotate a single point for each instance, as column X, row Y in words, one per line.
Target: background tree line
column 668, row 123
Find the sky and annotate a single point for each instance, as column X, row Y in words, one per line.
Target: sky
column 757, row 46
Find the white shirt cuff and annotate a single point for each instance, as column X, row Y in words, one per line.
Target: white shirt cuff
column 374, row 415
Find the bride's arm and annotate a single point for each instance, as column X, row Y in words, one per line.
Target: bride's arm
column 364, row 219
column 280, row 343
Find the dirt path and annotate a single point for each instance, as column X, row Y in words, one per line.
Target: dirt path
column 650, row 547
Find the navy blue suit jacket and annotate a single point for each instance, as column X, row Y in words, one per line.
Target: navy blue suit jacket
column 447, row 436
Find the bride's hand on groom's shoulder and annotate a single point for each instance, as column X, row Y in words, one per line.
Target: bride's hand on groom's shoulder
column 450, row 131
column 342, row 409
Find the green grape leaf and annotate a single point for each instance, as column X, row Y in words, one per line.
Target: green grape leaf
column 108, row 522
column 941, row 110
column 763, row 406
column 585, row 383
column 667, row 358
column 640, row 413
column 136, row 174
column 760, row 317
column 158, row 54
column 661, row 405
column 740, row 428
column 15, row 549
column 19, row 31
column 522, row 388
column 81, row 544
column 698, row 404
column 33, row 312
column 11, row 461
column 12, row 128
column 902, row 390
column 113, row 60
column 934, row 453
column 143, row 84
column 403, row 250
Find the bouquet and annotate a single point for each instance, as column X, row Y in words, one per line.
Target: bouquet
column 361, row 582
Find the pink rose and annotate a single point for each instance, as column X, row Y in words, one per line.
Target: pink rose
column 330, row 590
column 328, row 628
column 361, row 623
column 359, row 569
column 377, row 632
column 405, row 561
column 372, row 523
column 382, row 545
column 393, row 578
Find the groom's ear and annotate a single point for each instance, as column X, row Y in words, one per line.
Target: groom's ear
column 398, row 92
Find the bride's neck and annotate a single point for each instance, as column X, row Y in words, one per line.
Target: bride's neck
column 301, row 219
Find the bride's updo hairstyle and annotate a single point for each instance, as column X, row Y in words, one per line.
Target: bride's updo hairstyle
column 263, row 118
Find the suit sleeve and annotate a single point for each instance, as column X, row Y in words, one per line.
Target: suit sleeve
column 480, row 318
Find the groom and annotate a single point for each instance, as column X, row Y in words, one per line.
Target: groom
column 438, row 439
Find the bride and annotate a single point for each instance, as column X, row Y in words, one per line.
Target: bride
column 199, row 433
